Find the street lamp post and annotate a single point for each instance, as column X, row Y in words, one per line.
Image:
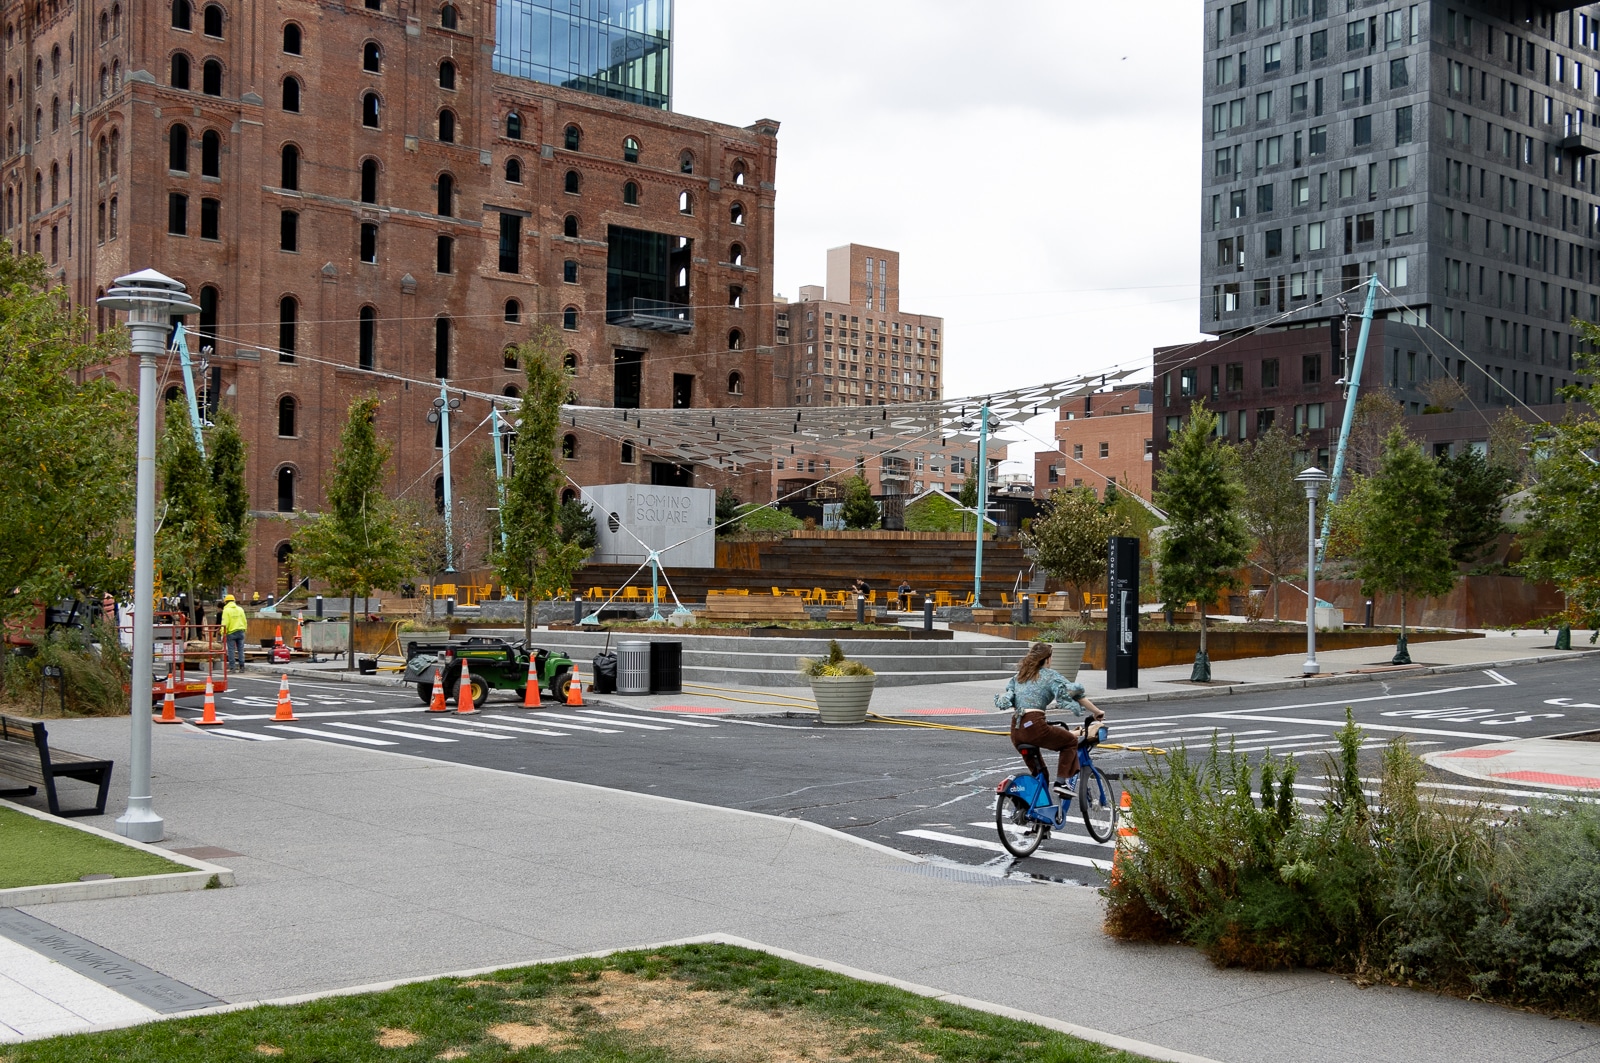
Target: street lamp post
column 150, row 298
column 1312, row 479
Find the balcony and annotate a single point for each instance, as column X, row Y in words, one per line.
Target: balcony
column 654, row 315
column 1584, row 141
column 894, row 469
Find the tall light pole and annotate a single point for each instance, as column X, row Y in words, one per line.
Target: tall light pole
column 150, row 298
column 1312, row 480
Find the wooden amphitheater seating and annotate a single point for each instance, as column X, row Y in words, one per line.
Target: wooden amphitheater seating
column 754, row 607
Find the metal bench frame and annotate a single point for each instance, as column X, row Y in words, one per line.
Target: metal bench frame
column 16, row 761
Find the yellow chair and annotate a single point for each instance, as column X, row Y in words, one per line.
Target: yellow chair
column 1005, row 599
column 941, row 599
column 630, row 594
column 776, row 593
column 968, row 600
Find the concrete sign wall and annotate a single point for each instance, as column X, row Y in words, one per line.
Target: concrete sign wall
column 658, row 518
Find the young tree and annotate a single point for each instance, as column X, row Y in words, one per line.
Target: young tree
column 1478, row 492
column 1206, row 541
column 859, row 510
column 1403, row 532
column 359, row 543
column 67, row 446
column 1377, row 415
column 575, row 518
column 534, row 560
column 231, row 503
column 1274, row 505
column 968, row 497
column 188, row 523
column 727, row 514
column 1069, row 536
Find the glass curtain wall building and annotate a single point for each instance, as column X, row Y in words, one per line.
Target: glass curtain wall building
column 615, row 48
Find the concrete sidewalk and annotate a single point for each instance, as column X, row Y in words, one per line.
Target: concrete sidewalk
column 361, row 866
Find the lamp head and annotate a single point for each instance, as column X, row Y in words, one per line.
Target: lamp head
column 1311, row 479
column 150, row 290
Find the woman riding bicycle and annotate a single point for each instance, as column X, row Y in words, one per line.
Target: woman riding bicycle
column 1029, row 694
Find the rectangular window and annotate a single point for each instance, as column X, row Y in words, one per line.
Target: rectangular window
column 288, row 231
column 1233, row 376
column 1297, row 285
column 1236, row 19
column 444, row 254
column 177, row 214
column 1404, row 221
column 1311, row 369
column 1355, row 36
column 1105, row 451
column 1394, row 29
column 1188, row 382
column 1361, row 130
column 1402, row 126
column 1366, row 227
column 1397, row 272
column 1236, row 209
column 210, row 219
column 1274, row 150
column 369, row 242
column 1347, row 181
column 1350, row 86
column 1319, row 45
column 1225, row 70
column 1317, row 141
column 1297, row 98
column 510, row 243
column 1263, row 106
column 1271, row 58
column 1224, row 163
column 1399, row 73
column 1263, row 199
column 1317, row 236
column 1274, row 242
column 1269, row 372
column 1263, row 290
column 1264, row 419
column 1300, row 192
column 1400, row 172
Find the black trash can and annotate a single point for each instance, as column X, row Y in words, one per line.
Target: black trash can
column 605, row 673
column 666, row 667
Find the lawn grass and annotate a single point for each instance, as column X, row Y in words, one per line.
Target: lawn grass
column 34, row 852
column 690, row 1003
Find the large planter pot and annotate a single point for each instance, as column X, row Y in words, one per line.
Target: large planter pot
column 1067, row 658
column 843, row 698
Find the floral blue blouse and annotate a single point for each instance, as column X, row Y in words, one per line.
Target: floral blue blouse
column 1037, row 693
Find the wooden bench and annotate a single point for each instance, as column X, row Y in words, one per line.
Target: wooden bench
column 25, row 753
column 741, row 607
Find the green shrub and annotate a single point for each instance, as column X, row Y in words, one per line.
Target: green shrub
column 767, row 519
column 96, row 674
column 834, row 664
column 1405, row 887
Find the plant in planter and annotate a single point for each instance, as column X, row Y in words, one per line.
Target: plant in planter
column 841, row 687
column 1066, row 635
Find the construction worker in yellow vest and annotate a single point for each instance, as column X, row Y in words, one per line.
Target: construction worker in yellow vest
column 233, row 626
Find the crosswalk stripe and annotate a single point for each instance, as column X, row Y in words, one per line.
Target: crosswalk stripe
column 996, row 847
column 332, row 734
column 457, row 730
column 588, row 719
column 558, row 716
column 397, row 734
column 1059, row 836
column 647, row 719
column 249, row 736
column 1165, row 729
column 513, row 730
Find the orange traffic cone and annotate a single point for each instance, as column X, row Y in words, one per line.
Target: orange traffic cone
column 464, row 706
column 285, row 711
column 437, row 704
column 208, row 716
column 169, row 707
column 299, row 634
column 575, row 687
column 530, row 695
column 280, row 652
column 1127, row 837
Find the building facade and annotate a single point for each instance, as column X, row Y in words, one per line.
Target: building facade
column 371, row 198
column 1103, row 438
column 1447, row 147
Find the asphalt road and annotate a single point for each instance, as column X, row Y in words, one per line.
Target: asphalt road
column 918, row 790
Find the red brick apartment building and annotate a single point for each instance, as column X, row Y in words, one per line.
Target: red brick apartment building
column 1103, row 437
column 361, row 202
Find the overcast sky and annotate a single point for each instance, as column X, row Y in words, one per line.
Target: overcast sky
column 1036, row 163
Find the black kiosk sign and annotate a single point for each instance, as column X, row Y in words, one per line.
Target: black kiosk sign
column 1122, row 613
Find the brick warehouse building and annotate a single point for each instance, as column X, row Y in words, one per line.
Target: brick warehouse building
column 371, row 199
column 1103, row 437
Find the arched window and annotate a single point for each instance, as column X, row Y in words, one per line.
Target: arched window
column 569, row 362
column 738, row 172
column 291, row 94
column 211, row 154
column 291, row 168
column 630, row 455
column 369, row 241
column 572, row 138
column 293, row 39
column 55, row 113
column 180, row 71
column 735, row 340
column 735, row 384
column 510, row 391
column 369, row 110
column 736, row 255
column 630, row 150
column 286, row 416
column 570, row 183
column 372, row 58
column 288, row 315
column 569, row 319
column 513, row 312
column 178, row 148
column 211, row 20
column 38, row 124
column 448, row 17
column 55, row 61
column 211, row 78
column 444, row 253
column 736, row 214
column 369, row 180
column 630, row 194
column 104, row 85
column 105, row 27
column 447, row 196
column 55, row 183
column 441, row 348
column 116, row 20
column 116, row 154
column 508, row 356
column 38, row 191
column 447, row 126
column 367, row 351
column 685, row 203
column 285, row 504
column 38, row 72
column 735, row 296
column 116, row 75
column 514, row 171
column 182, row 14
column 447, row 75
column 569, row 446
column 514, row 126
column 209, row 299
column 569, row 271
column 569, row 226
column 102, row 158
column 686, row 162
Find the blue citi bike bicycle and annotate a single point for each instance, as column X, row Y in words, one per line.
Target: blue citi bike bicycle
column 1027, row 809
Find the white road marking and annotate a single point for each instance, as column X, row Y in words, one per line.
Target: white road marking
column 996, row 847
column 647, row 719
column 454, row 730
column 515, row 730
column 331, row 734
column 396, row 734
column 556, row 716
column 587, row 719
column 1059, row 835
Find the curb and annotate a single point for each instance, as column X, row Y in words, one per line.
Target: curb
column 1085, row 1033
column 202, row 877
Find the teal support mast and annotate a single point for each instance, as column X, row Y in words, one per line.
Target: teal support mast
column 982, row 507
column 180, row 340
column 1352, row 392
column 499, row 472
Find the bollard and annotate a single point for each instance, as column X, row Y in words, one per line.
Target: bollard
column 927, row 613
column 1369, row 612
column 861, row 608
column 450, row 606
column 577, row 610
column 319, row 607
column 1027, row 611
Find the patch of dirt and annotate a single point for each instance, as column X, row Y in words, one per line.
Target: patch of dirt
column 453, row 1053
column 269, row 1050
column 475, row 983
column 389, row 1037
column 522, row 1035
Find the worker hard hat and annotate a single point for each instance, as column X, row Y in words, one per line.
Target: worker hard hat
column 228, row 598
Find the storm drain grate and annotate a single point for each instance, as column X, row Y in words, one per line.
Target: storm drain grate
column 959, row 874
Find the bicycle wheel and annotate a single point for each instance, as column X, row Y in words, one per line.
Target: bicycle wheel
column 1098, row 801
column 1019, row 833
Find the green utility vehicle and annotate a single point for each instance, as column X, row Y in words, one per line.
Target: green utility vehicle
column 494, row 664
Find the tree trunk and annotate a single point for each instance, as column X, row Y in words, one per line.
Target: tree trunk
column 350, row 651
column 1277, row 594
column 1202, row 627
column 1402, row 614
column 527, row 619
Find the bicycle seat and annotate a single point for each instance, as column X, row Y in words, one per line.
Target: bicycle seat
column 1027, row 747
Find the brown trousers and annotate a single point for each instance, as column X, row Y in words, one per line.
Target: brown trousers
column 1033, row 730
